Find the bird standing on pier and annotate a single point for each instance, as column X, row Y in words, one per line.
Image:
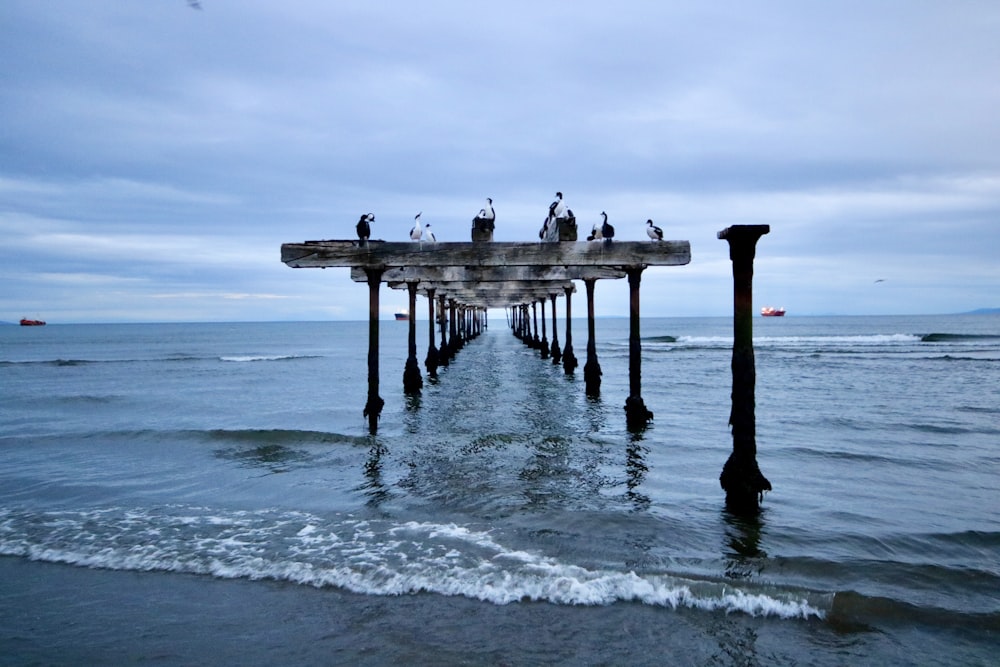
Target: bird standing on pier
column 557, row 209
column 488, row 213
column 653, row 231
column 595, row 233
column 364, row 227
column 428, row 234
column 417, row 230
column 607, row 231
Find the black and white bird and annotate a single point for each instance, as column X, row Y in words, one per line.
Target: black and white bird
column 417, row 231
column 653, row 231
column 364, row 227
column 595, row 233
column 607, row 231
column 428, row 234
column 488, row 213
column 557, row 209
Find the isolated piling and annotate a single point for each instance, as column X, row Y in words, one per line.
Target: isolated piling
column 741, row 477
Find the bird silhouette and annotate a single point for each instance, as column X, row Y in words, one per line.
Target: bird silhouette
column 653, row 231
column 607, row 231
column 364, row 227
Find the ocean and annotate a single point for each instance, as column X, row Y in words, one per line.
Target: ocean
column 210, row 494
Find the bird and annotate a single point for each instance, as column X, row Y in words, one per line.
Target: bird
column 364, row 227
column 653, row 231
column 429, row 234
column 880, row 280
column 595, row 233
column 607, row 231
column 557, row 209
column 488, row 213
column 417, row 231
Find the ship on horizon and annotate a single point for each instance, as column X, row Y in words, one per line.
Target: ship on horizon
column 769, row 311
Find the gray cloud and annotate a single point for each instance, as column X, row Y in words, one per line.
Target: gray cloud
column 153, row 150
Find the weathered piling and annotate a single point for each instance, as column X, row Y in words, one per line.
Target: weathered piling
column 431, row 360
column 555, row 351
column 569, row 359
column 535, row 341
column 544, row 349
column 412, row 380
column 637, row 415
column 443, row 356
column 741, row 477
column 591, row 369
column 374, row 405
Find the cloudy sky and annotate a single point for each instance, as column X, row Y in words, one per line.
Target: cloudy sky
column 154, row 157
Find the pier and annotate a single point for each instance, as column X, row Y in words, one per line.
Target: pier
column 468, row 279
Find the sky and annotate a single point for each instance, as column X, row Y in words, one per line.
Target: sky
column 155, row 156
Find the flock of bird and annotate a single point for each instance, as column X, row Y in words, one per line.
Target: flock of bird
column 557, row 211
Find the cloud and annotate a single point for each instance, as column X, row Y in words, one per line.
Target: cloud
column 150, row 144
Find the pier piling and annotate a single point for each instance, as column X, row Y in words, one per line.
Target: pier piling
column 374, row 405
column 591, row 369
column 637, row 415
column 412, row 381
column 569, row 359
column 741, row 477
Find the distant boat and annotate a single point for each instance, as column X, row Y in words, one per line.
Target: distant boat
column 25, row 322
column 402, row 315
column 768, row 311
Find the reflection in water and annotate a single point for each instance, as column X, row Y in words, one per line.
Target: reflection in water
column 271, row 457
column 594, row 413
column 373, row 487
column 743, row 556
column 635, row 471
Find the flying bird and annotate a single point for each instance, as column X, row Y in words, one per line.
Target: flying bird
column 417, row 231
column 607, row 231
column 429, row 234
column 653, row 231
column 880, row 280
column 364, row 227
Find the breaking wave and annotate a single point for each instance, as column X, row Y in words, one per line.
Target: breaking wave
column 373, row 557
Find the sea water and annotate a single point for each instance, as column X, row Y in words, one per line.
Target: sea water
column 210, row 493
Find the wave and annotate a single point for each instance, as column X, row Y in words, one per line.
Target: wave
column 372, row 557
column 266, row 357
column 853, row 611
column 168, row 359
column 280, row 436
column 948, row 338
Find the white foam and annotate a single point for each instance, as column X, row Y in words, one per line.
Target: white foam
column 369, row 557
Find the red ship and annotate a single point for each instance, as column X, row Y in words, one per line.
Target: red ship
column 25, row 322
